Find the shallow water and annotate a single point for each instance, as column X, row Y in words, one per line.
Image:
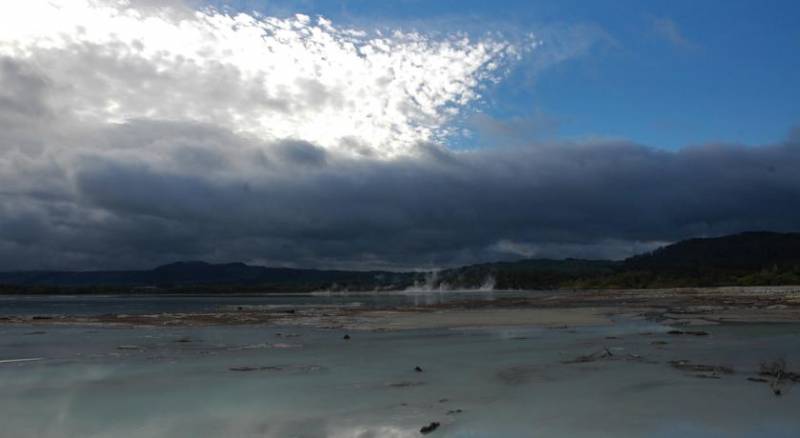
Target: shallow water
column 145, row 304
column 507, row 382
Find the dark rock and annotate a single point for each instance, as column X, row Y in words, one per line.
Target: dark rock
column 454, row 411
column 346, row 337
column 429, row 428
column 418, row 369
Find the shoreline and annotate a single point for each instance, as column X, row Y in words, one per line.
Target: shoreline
column 675, row 307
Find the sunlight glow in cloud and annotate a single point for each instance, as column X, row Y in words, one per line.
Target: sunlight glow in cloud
column 372, row 93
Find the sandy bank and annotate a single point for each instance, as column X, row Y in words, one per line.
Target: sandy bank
column 454, row 318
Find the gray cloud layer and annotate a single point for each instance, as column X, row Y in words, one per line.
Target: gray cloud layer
column 82, row 195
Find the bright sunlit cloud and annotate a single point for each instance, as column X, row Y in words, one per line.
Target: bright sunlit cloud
column 369, row 92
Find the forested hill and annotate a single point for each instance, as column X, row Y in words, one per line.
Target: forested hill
column 752, row 258
column 752, row 250
column 198, row 276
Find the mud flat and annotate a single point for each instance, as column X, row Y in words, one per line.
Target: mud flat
column 677, row 307
column 691, row 363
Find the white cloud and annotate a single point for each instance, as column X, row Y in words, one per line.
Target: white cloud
column 366, row 91
column 669, row 30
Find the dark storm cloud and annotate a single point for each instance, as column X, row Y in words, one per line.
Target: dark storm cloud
column 78, row 192
column 160, row 191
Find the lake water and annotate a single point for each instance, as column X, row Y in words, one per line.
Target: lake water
column 303, row 382
column 144, row 304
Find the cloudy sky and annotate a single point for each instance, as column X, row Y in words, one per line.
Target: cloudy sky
column 392, row 135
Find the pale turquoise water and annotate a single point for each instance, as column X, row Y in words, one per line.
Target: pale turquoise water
column 508, row 382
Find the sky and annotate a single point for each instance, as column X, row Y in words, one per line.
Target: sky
column 390, row 135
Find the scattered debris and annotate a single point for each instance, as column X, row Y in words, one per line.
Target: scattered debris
column 602, row 354
column 704, row 371
column 688, row 332
column 300, row 369
column 244, row 368
column 776, row 370
column 404, row 384
column 418, row 369
column 758, row 379
column 429, row 428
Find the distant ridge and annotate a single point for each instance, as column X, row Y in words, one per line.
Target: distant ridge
column 198, row 273
column 749, row 250
column 750, row 258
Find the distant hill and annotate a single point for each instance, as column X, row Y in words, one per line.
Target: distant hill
column 201, row 276
column 751, row 250
column 751, row 258
column 745, row 259
column 525, row 274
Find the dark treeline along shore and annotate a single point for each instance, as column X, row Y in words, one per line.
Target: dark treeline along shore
column 746, row 259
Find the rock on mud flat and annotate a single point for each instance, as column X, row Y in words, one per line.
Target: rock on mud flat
column 429, row 428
